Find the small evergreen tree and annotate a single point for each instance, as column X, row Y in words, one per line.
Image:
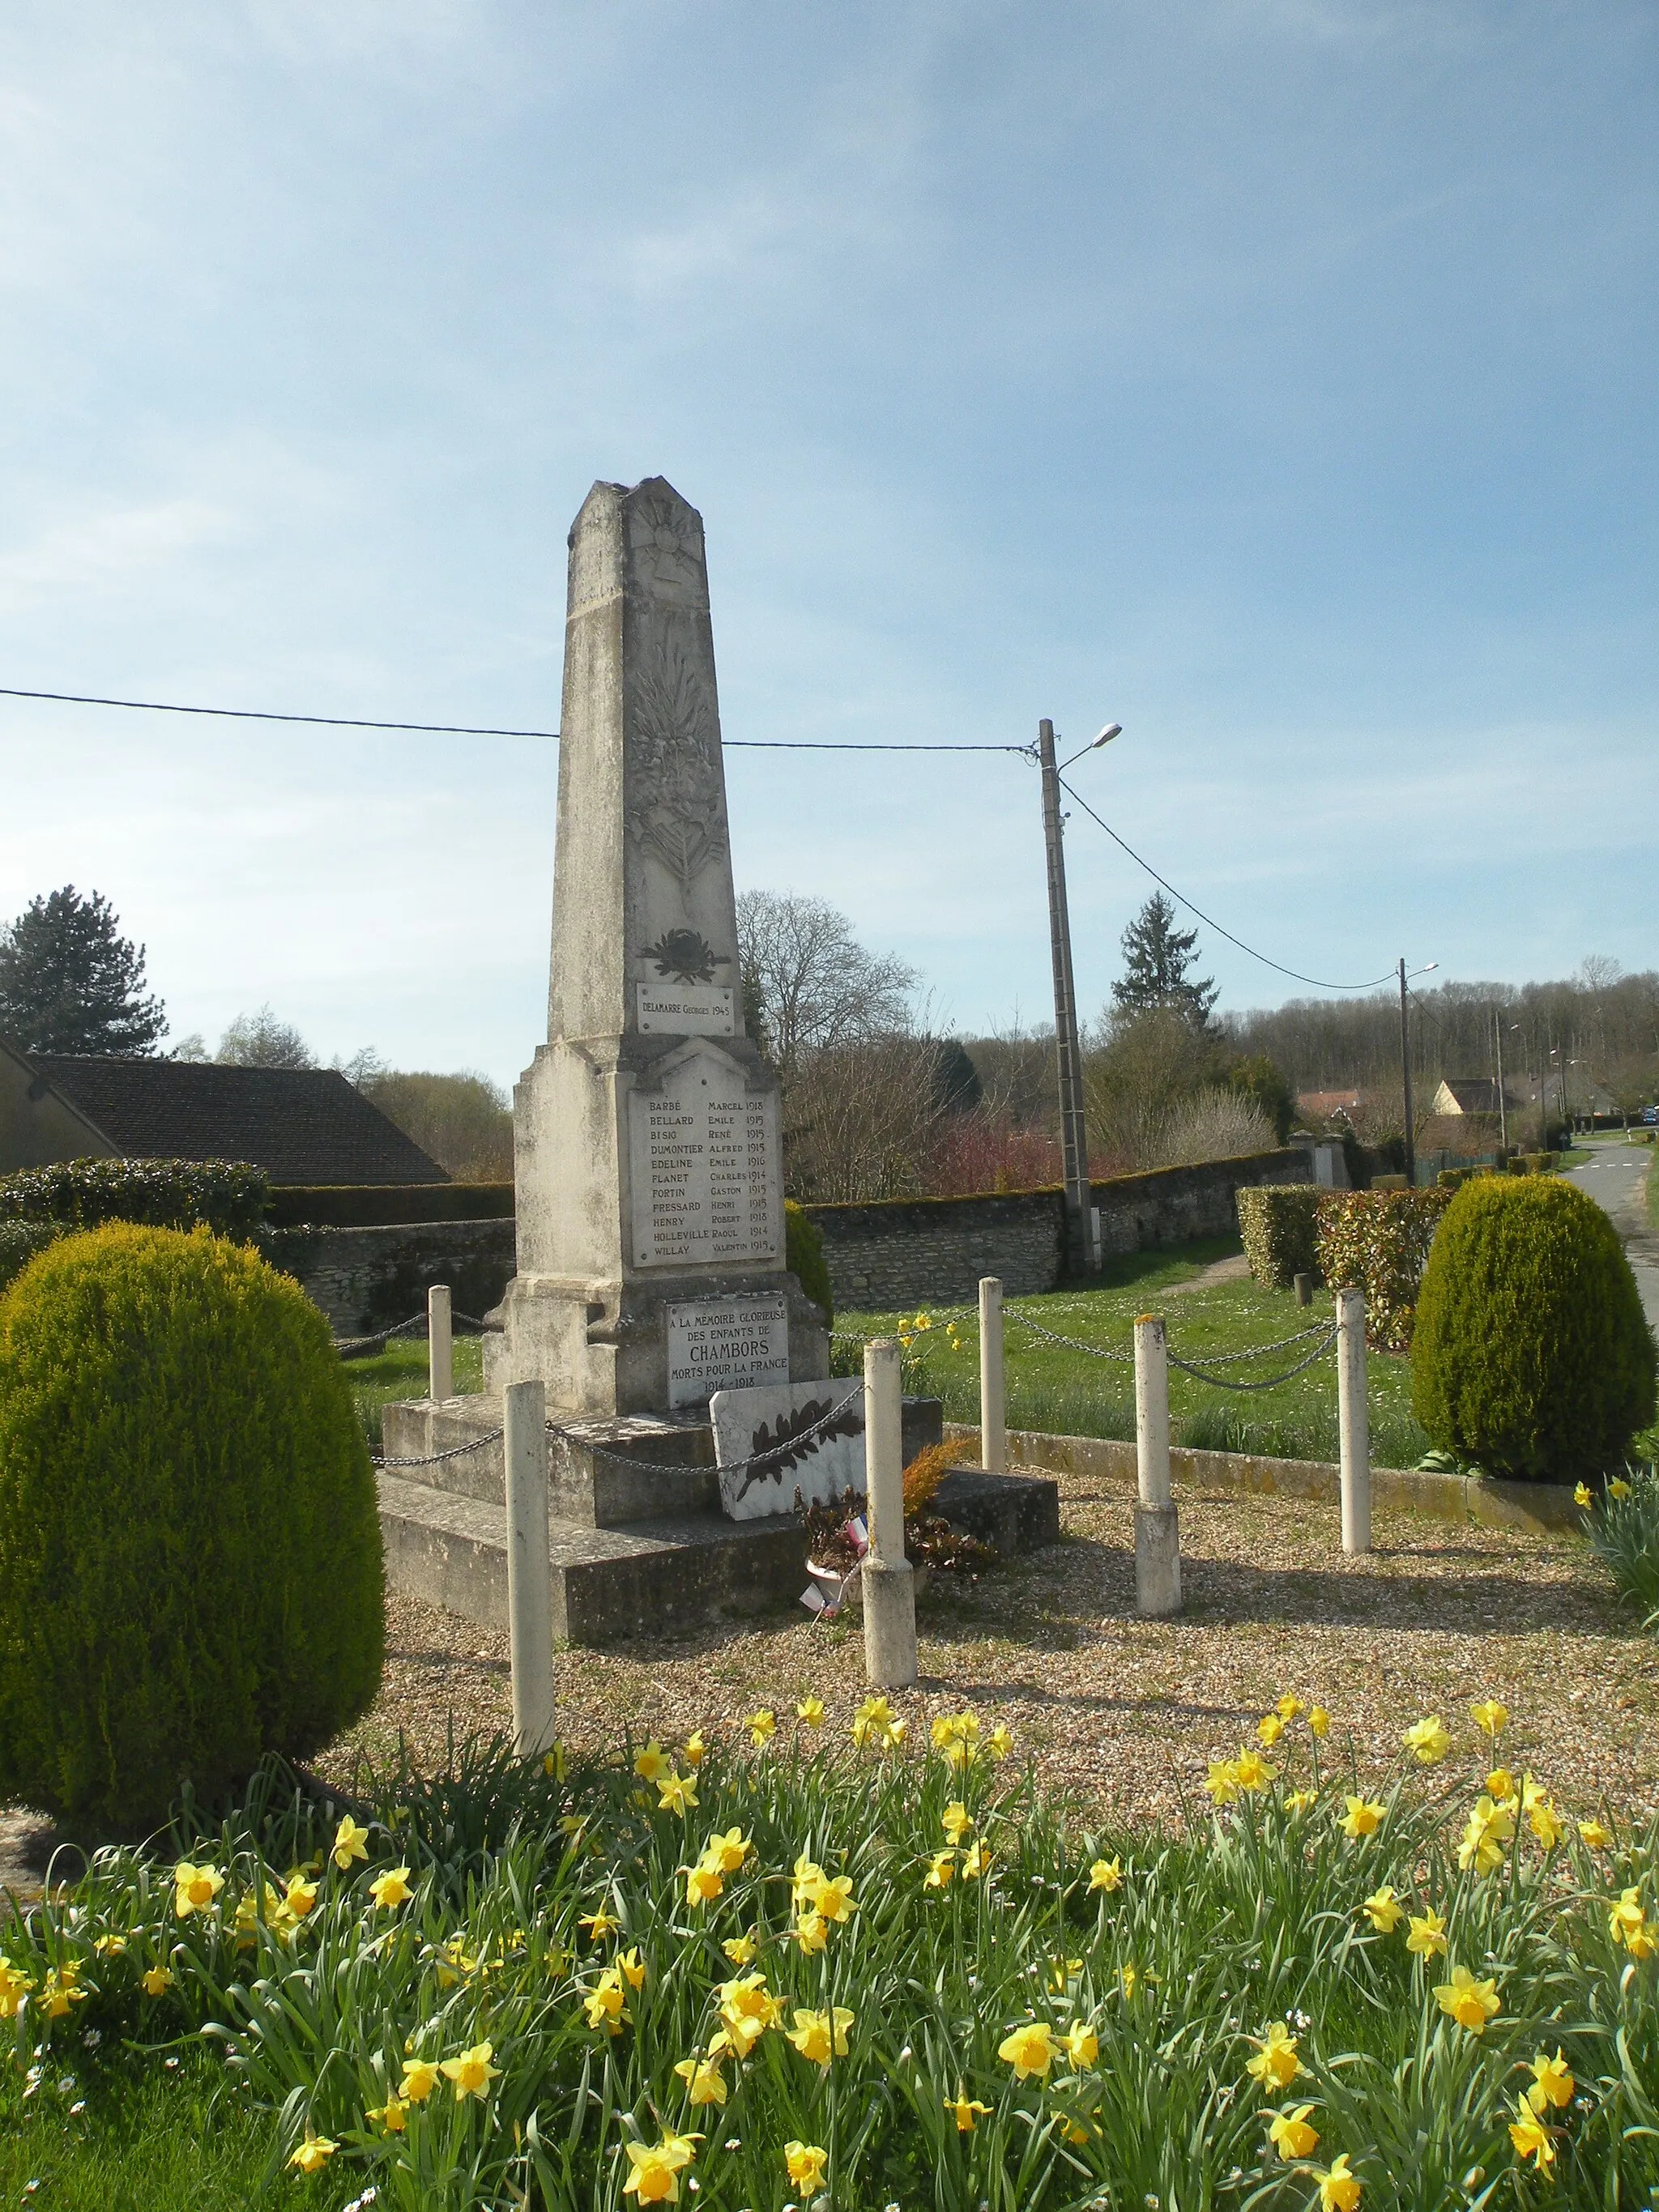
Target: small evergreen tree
column 70, row 982
column 1158, row 962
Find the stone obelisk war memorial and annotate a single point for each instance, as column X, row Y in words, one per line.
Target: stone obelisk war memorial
column 648, row 1159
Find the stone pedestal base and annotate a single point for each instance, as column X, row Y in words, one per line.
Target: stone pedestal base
column 1157, row 1561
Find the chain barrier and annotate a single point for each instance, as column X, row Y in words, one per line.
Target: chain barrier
column 1071, row 1343
column 433, row 1459
column 1271, row 1382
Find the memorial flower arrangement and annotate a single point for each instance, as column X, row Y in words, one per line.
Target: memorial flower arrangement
column 769, row 1965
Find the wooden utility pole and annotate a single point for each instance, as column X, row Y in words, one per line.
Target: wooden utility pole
column 1406, row 1079
column 1073, row 1128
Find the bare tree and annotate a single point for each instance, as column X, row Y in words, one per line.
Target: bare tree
column 262, row 1040
column 864, row 1120
column 815, row 987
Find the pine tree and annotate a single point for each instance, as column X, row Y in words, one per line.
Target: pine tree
column 70, row 982
column 1158, row 958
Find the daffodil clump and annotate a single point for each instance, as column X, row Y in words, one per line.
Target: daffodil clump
column 734, row 1969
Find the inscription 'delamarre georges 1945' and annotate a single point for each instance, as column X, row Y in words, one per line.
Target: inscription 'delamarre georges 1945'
column 704, row 1156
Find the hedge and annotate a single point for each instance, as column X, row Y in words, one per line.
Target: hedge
column 1279, row 1224
column 227, row 1196
column 386, row 1205
column 1379, row 1241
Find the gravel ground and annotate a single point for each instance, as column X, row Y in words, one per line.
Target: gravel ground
column 1118, row 1713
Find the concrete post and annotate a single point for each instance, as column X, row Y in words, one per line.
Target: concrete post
column 886, row 1578
column 1303, row 1285
column 529, row 1571
column 1158, row 1534
column 440, row 1346
column 993, row 1380
column 1351, row 1420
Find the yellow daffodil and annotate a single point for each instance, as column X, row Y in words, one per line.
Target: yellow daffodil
column 1427, row 1739
column 1320, row 1721
column 1383, row 1909
column 1000, row 1742
column 760, row 1725
column 1363, row 1818
column 392, row 2116
column 805, row 1883
column 873, row 1722
column 1082, row 2043
column 194, row 1888
column 739, row 1949
column 703, row 1883
column 654, row 2169
column 1290, row 2135
column 350, row 1842
column 471, row 2072
column 704, row 2082
column 599, row 1924
column 1470, row 2003
column 420, row 2079
column 1250, row 1770
column 155, row 1981
column 313, row 2154
column 1289, row 1707
column 834, row 1900
column 821, row 2036
column 1582, row 1495
column 1338, row 2189
column 653, row 1765
column 1544, row 1820
column 1129, row 1979
column 676, row 1793
column 1596, row 1838
column 1276, row 2063
column 1107, row 1875
column 1501, row 1786
column 392, row 1888
column 696, row 1749
column 605, row 2003
column 1530, row 2137
column 810, row 1712
column 1031, row 2051
column 811, row 1933
column 1619, row 1488
column 555, row 1763
column 15, row 1988
column 1627, row 1924
column 964, row 2110
column 1491, row 1716
column 806, row 2165
column 1552, row 2081
column 955, row 1820
column 975, row 1862
column 300, row 1895
column 940, row 1868
column 631, row 1967
column 61, row 1989
column 1300, row 1801
column 1488, row 1828
column 1268, row 1729
column 1061, row 1973
column 747, row 2010
column 1427, row 1935
column 1222, row 1781
column 110, row 1946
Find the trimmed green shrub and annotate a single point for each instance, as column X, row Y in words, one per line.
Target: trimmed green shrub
column 1532, row 1356
column 1278, row 1223
column 227, row 1196
column 190, row 1571
column 19, row 1242
column 803, row 1251
column 1379, row 1240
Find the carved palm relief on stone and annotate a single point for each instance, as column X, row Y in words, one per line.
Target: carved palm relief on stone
column 676, row 808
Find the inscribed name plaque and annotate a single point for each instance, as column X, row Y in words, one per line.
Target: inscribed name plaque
column 805, row 1435
column 725, row 1344
column 705, row 1163
column 685, row 1009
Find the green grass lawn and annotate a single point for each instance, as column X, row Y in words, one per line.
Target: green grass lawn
column 400, row 1371
column 1069, row 1394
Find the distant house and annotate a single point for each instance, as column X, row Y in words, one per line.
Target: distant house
column 301, row 1125
column 1471, row 1094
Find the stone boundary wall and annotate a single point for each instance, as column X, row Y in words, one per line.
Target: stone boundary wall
column 898, row 1252
column 906, row 1252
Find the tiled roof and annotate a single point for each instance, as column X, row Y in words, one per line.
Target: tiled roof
column 301, row 1125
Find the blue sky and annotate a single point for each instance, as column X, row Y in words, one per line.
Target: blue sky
column 1276, row 377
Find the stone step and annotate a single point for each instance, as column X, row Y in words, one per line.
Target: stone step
column 676, row 1570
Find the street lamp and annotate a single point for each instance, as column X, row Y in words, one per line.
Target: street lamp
column 1405, row 1069
column 1074, row 1124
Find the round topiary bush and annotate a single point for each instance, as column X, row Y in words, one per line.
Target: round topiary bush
column 190, row 1572
column 1532, row 1356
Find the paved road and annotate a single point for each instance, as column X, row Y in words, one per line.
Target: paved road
column 1614, row 1180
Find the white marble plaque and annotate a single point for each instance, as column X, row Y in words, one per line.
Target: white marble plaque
column 686, row 1009
column 706, row 1161
column 828, row 1459
column 726, row 1344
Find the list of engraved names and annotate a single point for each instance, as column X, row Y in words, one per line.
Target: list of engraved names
column 705, row 1180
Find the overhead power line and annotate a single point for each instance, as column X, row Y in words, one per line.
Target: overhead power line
column 1209, row 920
column 475, row 729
